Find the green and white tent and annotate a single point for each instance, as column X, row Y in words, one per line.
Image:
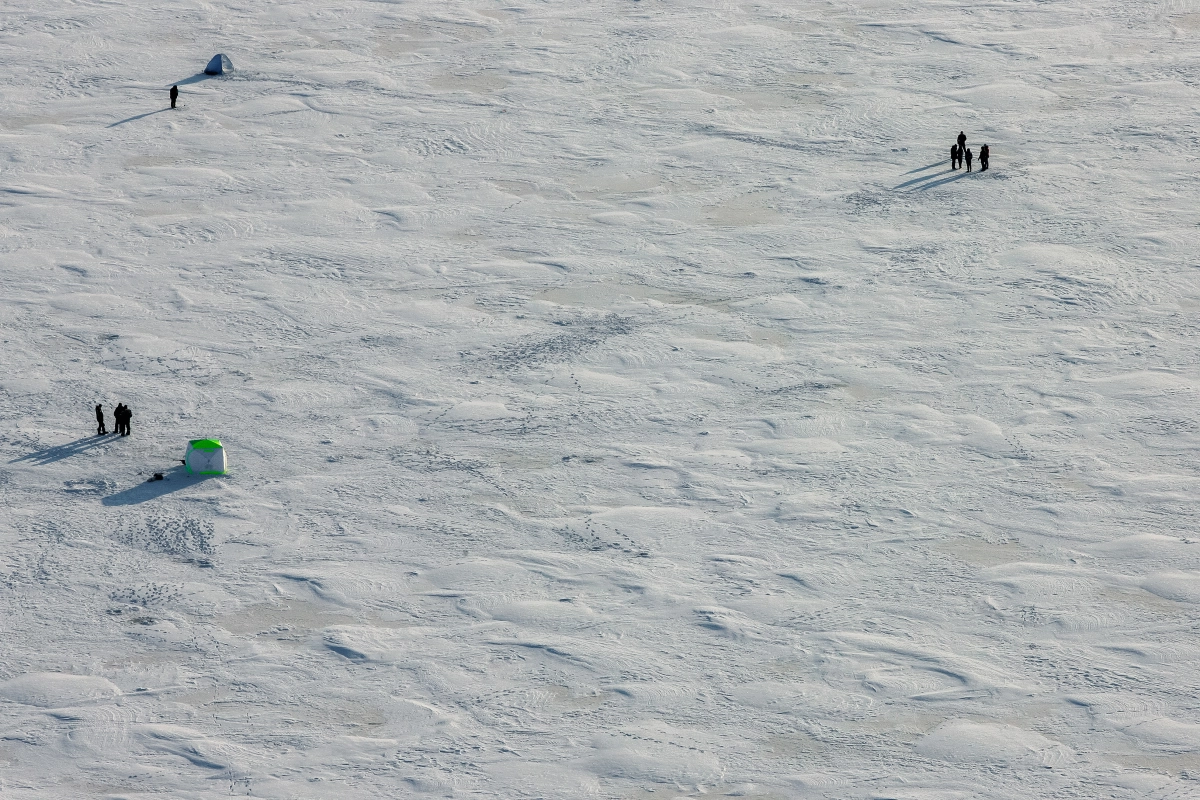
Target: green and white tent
column 205, row 457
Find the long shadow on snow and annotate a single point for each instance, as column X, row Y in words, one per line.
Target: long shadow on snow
column 920, row 178
column 137, row 117
column 61, row 451
column 173, row 480
column 951, row 179
column 927, row 166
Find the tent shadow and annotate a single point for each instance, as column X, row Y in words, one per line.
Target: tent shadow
column 173, row 480
column 137, row 117
column 61, row 451
column 199, row 76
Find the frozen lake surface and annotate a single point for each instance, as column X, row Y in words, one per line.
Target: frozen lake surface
column 623, row 400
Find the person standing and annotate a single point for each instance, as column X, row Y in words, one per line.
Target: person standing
column 174, row 95
column 126, row 415
column 100, row 430
column 962, row 145
column 953, row 156
column 984, row 154
column 968, row 159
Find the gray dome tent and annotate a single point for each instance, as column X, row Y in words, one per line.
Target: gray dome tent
column 219, row 65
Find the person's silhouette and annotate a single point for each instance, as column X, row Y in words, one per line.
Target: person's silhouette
column 174, row 95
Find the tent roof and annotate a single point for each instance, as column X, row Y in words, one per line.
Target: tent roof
column 205, row 444
column 219, row 65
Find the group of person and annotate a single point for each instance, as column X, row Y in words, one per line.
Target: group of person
column 121, row 416
column 959, row 152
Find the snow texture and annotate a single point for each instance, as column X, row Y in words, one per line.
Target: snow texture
column 624, row 399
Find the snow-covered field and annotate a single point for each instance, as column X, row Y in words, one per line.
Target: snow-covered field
column 623, row 400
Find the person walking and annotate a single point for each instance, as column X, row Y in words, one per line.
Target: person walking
column 984, row 153
column 968, row 159
column 953, row 156
column 174, row 95
column 100, row 430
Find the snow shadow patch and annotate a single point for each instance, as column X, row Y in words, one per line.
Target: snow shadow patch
column 578, row 337
column 173, row 480
column 61, row 451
